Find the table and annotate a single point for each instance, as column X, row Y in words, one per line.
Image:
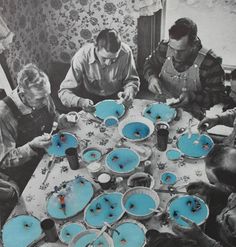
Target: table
column 33, row 199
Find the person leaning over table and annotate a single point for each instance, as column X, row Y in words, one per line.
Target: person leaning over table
column 182, row 68
column 99, row 71
column 221, row 197
column 25, row 116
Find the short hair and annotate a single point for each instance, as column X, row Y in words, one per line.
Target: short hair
column 31, row 76
column 233, row 74
column 182, row 27
column 109, row 39
column 218, row 159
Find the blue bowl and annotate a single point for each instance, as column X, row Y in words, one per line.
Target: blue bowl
column 20, row 231
column 84, row 238
column 168, row 178
column 78, row 194
column 136, row 128
column 60, row 142
column 196, row 146
column 132, row 233
column 91, row 154
column 108, row 108
column 173, row 154
column 190, row 207
column 122, row 161
column 104, row 208
column 69, row 231
column 159, row 112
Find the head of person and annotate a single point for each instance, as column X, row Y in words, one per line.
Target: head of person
column 33, row 86
column 182, row 37
column 108, row 45
column 220, row 167
column 233, row 85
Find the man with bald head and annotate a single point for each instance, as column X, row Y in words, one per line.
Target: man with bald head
column 220, row 193
column 26, row 116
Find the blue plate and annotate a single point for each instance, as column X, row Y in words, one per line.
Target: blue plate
column 20, row 231
column 104, row 208
column 168, row 178
column 196, row 146
column 190, row 207
column 77, row 194
column 173, row 154
column 69, row 231
column 122, row 160
column 90, row 155
column 108, row 108
column 60, row 142
column 159, row 112
column 131, row 235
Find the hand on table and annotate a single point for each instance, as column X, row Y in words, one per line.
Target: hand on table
column 193, row 231
column 43, row 141
column 127, row 96
column 207, row 123
column 63, row 122
column 87, row 105
column 183, row 100
column 200, row 189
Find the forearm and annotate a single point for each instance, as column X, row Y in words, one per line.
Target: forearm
column 228, row 117
column 17, row 156
column 206, row 241
column 71, row 84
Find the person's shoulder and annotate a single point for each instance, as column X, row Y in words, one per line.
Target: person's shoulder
column 5, row 111
column 85, row 49
column 125, row 48
column 211, row 58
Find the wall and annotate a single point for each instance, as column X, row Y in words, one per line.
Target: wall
column 29, row 45
column 55, row 29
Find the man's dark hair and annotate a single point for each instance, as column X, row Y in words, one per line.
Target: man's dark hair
column 233, row 74
column 218, row 159
column 182, row 27
column 109, row 39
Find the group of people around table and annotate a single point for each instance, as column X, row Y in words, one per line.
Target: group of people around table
column 179, row 68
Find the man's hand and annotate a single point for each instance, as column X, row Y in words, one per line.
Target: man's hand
column 87, row 105
column 200, row 189
column 43, row 141
column 63, row 122
column 153, row 85
column 193, row 231
column 128, row 95
column 207, row 123
column 183, row 100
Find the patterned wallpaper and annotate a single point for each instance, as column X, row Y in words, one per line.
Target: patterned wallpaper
column 55, row 29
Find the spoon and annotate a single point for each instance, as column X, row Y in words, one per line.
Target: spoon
column 54, row 127
column 190, row 128
column 91, row 244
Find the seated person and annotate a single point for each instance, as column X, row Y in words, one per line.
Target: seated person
column 182, row 68
column 227, row 118
column 25, row 118
column 221, row 224
column 99, row 71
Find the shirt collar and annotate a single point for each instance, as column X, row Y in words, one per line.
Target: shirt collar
column 24, row 109
column 93, row 57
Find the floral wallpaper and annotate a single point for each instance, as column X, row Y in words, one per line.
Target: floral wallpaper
column 53, row 30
